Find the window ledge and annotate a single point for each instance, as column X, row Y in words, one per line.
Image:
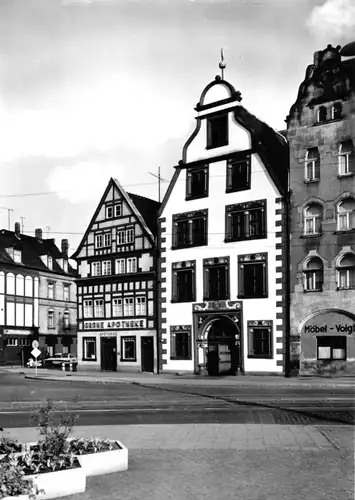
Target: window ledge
column 311, row 181
column 233, row 240
column 345, row 231
column 192, row 197
column 324, row 122
column 253, row 297
column 89, row 359
column 231, row 190
column 175, row 301
column 216, row 147
column 178, row 247
column 340, row 289
column 133, row 360
column 256, row 356
column 178, row 358
column 311, row 235
column 313, row 291
column 342, row 176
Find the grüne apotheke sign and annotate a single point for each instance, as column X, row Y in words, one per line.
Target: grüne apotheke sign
column 124, row 324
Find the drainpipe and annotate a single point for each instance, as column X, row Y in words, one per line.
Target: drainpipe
column 288, row 283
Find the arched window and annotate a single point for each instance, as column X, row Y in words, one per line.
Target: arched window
column 346, row 215
column 322, row 114
column 20, row 285
column 313, row 275
column 346, row 157
column 10, row 284
column 313, row 219
column 28, row 286
column 346, row 271
column 312, row 165
column 337, row 110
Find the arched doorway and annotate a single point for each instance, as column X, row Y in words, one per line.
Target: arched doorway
column 223, row 347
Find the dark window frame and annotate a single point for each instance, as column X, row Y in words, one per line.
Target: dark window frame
column 258, row 327
column 217, row 139
column 220, row 264
column 132, row 338
column 84, row 358
column 253, row 262
column 241, row 160
column 178, row 268
column 185, row 233
column 326, row 340
column 238, row 219
column 184, row 332
column 190, row 173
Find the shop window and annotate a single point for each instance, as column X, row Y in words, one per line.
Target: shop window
column 50, row 318
column 260, row 339
column 106, row 267
column 216, row 278
column 196, row 183
column 252, row 276
column 322, row 114
column 346, row 272
column 331, row 348
column 131, row 265
column 128, row 348
column 238, row 173
column 313, row 275
column 180, row 342
column 50, row 291
column 183, row 281
column 125, row 236
column 217, row 131
column 88, row 309
column 128, row 306
column 312, row 165
column 117, row 308
column 346, row 215
column 66, row 293
column 89, row 349
column 337, row 110
column 313, row 219
column 246, row 221
column 346, row 158
column 141, row 306
column 99, row 308
column 11, row 342
column 190, row 229
column 24, row 342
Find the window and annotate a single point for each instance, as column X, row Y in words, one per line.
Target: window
column 99, row 308
column 313, row 219
column 66, row 320
column 252, row 276
column 120, row 266
column 88, row 310
column 50, row 290
column 117, row 309
column 246, row 221
column 17, row 256
column 337, row 110
column 109, row 212
column 89, row 349
column 190, row 229
column 312, row 165
column 183, row 281
column 20, row 285
column 346, row 215
column 238, row 173
column 129, row 306
column 313, row 275
column 66, row 293
column 260, row 339
column 346, row 272
column 217, row 131
column 10, row 283
column 50, row 262
column 128, row 348
column 180, row 342
column 132, row 265
column 102, row 240
column 141, row 306
column 96, row 269
column 11, row 342
column 65, row 265
column 50, row 318
column 216, row 278
column 196, row 183
column 24, row 342
column 118, row 210
column 322, row 114
column 106, row 267
column 331, row 348
column 125, row 236
column 346, row 157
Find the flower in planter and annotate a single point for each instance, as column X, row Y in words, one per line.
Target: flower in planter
column 8, row 445
column 13, row 483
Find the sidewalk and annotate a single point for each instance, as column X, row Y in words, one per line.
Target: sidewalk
column 150, row 379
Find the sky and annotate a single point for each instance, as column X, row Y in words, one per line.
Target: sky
column 93, row 89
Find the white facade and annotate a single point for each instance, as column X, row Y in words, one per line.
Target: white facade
column 262, row 187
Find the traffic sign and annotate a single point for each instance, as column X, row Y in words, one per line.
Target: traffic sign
column 35, row 344
column 35, row 352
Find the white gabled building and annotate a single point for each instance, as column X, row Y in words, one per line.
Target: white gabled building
column 223, row 252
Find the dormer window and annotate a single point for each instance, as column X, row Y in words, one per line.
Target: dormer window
column 217, row 131
column 65, row 265
column 322, row 114
column 50, row 262
column 118, row 210
column 337, row 111
column 17, row 256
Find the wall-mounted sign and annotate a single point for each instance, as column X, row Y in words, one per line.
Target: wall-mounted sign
column 122, row 324
column 329, row 323
column 8, row 331
column 108, row 334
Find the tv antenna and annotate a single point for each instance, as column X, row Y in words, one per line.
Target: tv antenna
column 159, row 181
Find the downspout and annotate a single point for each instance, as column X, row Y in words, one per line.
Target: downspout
column 158, row 296
column 288, row 283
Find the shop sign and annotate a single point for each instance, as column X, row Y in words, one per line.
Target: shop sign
column 7, row 331
column 108, row 334
column 330, row 323
column 122, row 324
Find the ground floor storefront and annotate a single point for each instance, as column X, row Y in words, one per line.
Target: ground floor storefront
column 16, row 345
column 49, row 345
column 327, row 343
column 130, row 349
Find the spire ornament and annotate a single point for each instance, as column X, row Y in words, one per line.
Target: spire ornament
column 222, row 65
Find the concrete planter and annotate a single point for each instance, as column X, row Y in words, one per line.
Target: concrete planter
column 59, row 483
column 17, row 497
column 105, row 462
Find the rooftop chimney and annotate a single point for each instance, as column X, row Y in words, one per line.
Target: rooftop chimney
column 65, row 247
column 38, row 233
column 17, row 228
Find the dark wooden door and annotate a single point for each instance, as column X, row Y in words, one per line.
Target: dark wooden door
column 108, row 354
column 147, row 354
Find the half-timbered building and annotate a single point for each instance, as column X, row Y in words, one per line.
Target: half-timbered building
column 116, row 288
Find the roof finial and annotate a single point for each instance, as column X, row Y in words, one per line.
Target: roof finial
column 222, row 64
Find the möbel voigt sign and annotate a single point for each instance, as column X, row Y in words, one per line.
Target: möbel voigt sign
column 121, row 324
column 329, row 323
